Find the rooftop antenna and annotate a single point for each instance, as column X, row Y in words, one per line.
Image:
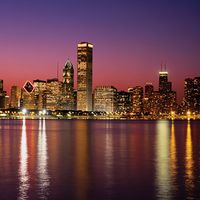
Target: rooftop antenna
column 165, row 66
column 161, row 66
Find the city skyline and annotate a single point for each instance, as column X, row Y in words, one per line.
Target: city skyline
column 131, row 39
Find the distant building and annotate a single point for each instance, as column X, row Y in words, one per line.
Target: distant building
column 2, row 95
column 105, row 98
column 137, row 100
column 84, row 76
column 15, row 96
column 148, row 99
column 124, row 102
column 148, row 90
column 192, row 94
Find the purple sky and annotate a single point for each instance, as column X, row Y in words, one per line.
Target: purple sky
column 131, row 39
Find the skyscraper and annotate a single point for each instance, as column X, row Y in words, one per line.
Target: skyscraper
column 68, row 86
column 15, row 96
column 40, row 94
column 192, row 94
column 53, row 94
column 167, row 96
column 137, row 100
column 2, row 95
column 84, row 76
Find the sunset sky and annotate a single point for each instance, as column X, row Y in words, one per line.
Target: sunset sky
column 131, row 38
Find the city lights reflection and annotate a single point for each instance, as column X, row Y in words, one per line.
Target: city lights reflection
column 189, row 159
column 23, row 165
column 43, row 177
column 108, row 157
column 163, row 180
column 81, row 160
column 173, row 159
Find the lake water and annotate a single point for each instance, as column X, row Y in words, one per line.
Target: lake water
column 91, row 159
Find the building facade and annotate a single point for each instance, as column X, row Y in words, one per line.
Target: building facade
column 67, row 96
column 105, row 98
column 15, row 96
column 84, row 76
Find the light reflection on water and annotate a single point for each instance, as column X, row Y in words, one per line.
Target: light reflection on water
column 163, row 179
column 108, row 157
column 82, row 159
column 42, row 162
column 189, row 177
column 23, row 165
column 173, row 156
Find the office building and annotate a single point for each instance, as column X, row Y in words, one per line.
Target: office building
column 137, row 100
column 40, row 94
column 105, row 98
column 15, row 97
column 53, row 91
column 84, row 76
column 67, row 96
column 124, row 102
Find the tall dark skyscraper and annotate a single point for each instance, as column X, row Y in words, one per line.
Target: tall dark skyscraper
column 167, row 99
column 2, row 95
column 68, row 86
column 68, row 77
column 164, row 85
column 1, row 86
column 84, row 77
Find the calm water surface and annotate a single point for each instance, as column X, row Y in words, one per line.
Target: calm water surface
column 83, row 159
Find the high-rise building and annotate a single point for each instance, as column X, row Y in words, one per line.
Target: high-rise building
column 67, row 98
column 105, row 98
column 2, row 95
column 137, row 100
column 15, row 97
column 84, row 76
column 1, row 86
column 164, row 85
column 167, row 96
column 53, row 94
column 40, row 94
column 148, row 90
column 28, row 96
column 192, row 94
column 148, row 98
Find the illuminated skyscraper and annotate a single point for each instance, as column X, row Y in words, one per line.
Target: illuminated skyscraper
column 137, row 100
column 53, row 94
column 40, row 94
column 192, row 94
column 148, row 98
column 15, row 96
column 68, row 87
column 84, row 77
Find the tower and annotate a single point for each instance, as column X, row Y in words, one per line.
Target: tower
column 84, row 76
column 68, row 77
column 68, row 86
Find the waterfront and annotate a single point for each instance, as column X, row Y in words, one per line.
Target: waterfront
column 99, row 159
